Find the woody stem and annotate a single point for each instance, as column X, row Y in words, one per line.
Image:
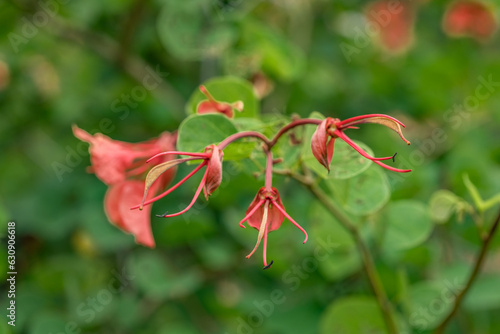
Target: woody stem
column 368, row 263
column 475, row 271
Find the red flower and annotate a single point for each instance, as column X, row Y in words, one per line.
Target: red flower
column 212, row 158
column 395, row 23
column 121, row 166
column 266, row 213
column 469, row 18
column 322, row 145
column 213, row 106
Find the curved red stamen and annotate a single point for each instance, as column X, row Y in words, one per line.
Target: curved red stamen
column 259, row 203
column 197, row 193
column 348, row 140
column 198, row 155
column 154, row 199
column 291, row 220
column 394, row 169
column 264, row 251
column 359, row 119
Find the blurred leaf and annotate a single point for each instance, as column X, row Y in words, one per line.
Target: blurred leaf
column 430, row 303
column 279, row 56
column 229, row 90
column 198, row 131
column 407, row 224
column 153, row 275
column 49, row 322
column 187, row 33
column 364, row 193
column 480, row 204
column 444, row 203
column 343, row 258
column 484, row 294
column 353, row 315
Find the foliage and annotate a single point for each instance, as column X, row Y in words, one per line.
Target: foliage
column 132, row 70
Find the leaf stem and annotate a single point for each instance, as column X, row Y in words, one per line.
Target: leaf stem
column 475, row 272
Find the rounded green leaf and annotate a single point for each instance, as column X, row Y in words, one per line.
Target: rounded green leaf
column 430, row 303
column 442, row 205
column 346, row 162
column 151, row 274
column 229, row 90
column 407, row 224
column 353, row 315
column 184, row 31
column 198, row 131
column 484, row 294
column 50, row 322
column 364, row 193
column 343, row 259
column 278, row 56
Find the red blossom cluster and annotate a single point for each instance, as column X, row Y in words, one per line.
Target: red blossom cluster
column 135, row 184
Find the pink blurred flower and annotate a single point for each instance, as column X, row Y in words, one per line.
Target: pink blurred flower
column 395, row 20
column 469, row 19
column 122, row 167
column 213, row 106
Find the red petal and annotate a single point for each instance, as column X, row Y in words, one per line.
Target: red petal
column 274, row 218
column 214, row 171
column 319, row 148
column 111, row 204
column 469, row 18
column 118, row 201
column 395, row 29
column 111, row 159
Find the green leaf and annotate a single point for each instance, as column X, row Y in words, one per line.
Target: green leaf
column 151, row 274
column 484, row 294
column 346, row 161
column 198, row 131
column 184, row 31
column 278, row 56
column 364, row 193
column 49, row 322
column 430, row 303
column 443, row 204
column 407, row 224
column 354, row 315
column 227, row 89
column 343, row 259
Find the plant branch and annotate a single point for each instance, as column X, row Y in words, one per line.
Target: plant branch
column 475, row 272
column 128, row 28
column 290, row 126
column 368, row 264
column 223, row 144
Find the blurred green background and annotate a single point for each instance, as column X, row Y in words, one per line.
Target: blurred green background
column 84, row 62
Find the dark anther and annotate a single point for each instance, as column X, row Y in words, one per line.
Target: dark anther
column 269, row 265
column 163, row 215
column 394, row 156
